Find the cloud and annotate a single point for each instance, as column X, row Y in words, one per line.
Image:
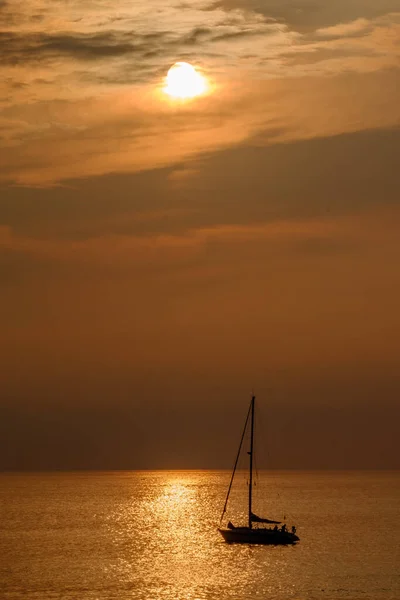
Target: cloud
column 183, row 254
column 151, row 252
column 356, row 28
column 76, row 33
column 22, row 48
column 163, row 248
column 250, row 185
column 85, row 80
column 306, row 17
column 219, row 36
column 119, row 132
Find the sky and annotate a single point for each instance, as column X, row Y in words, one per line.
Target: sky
column 161, row 258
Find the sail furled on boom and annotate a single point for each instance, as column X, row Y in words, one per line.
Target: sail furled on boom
column 256, row 519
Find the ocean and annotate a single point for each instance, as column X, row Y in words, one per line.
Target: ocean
column 152, row 535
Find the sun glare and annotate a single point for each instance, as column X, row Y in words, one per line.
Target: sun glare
column 183, row 81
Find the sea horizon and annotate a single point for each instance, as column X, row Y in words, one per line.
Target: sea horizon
column 200, row 469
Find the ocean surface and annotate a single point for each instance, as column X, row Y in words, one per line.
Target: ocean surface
column 152, row 536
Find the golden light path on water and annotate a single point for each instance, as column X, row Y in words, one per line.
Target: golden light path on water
column 174, row 543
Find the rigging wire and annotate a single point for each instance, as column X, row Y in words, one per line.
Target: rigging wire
column 236, row 462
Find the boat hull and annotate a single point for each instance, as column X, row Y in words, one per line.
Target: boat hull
column 245, row 535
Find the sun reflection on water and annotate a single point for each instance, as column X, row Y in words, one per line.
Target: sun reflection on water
column 165, row 533
column 176, row 494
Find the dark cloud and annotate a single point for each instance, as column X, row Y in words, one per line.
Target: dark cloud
column 19, row 48
column 201, row 35
column 233, row 35
column 197, row 35
column 10, row 15
column 309, row 15
column 7, row 17
column 318, row 55
column 279, row 182
column 336, row 33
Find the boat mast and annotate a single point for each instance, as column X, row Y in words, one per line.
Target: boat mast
column 251, row 459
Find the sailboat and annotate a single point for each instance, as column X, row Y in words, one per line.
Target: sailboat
column 258, row 530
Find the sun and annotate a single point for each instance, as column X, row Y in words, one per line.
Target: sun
column 183, row 81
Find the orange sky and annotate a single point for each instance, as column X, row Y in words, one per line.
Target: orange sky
column 159, row 259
